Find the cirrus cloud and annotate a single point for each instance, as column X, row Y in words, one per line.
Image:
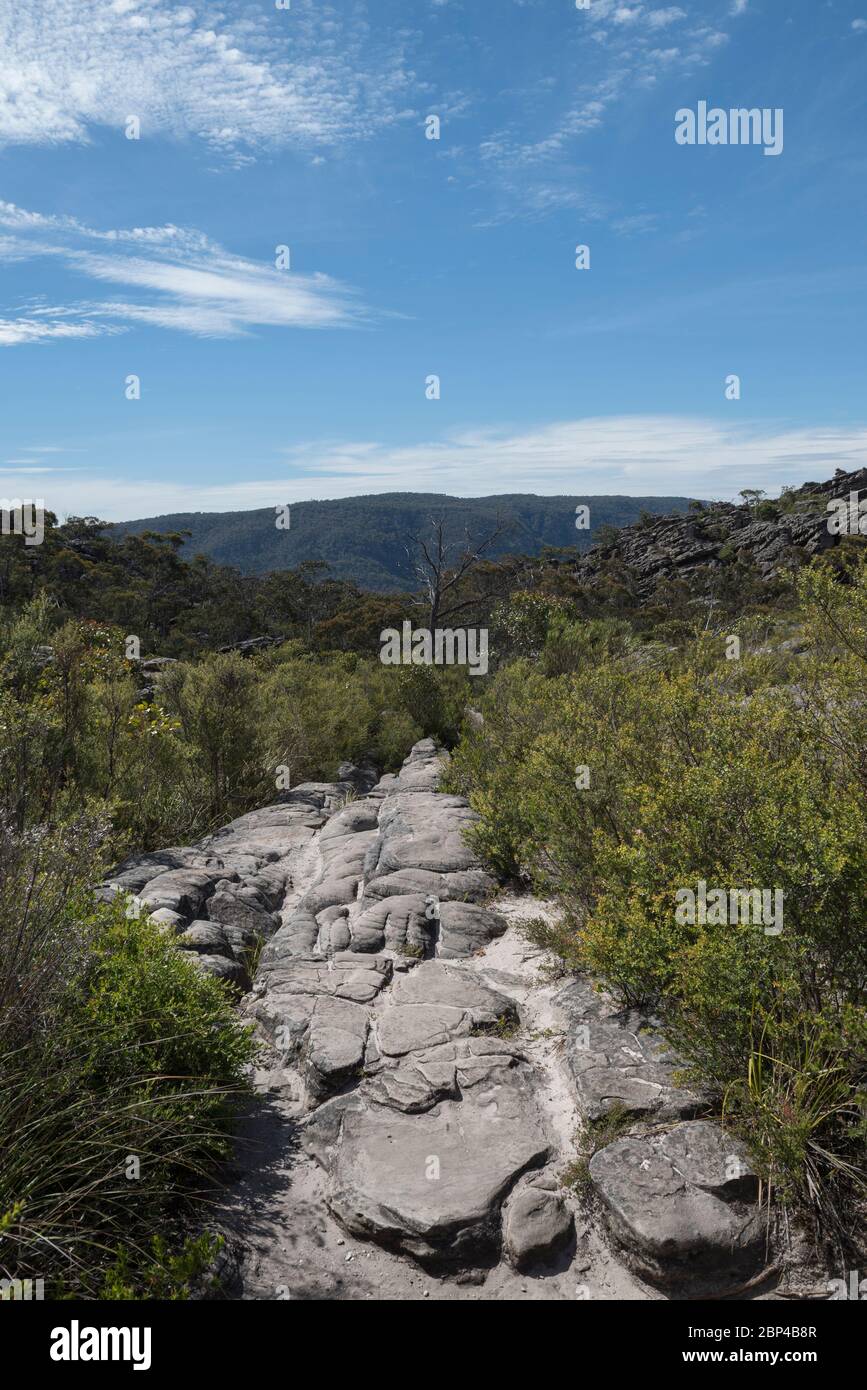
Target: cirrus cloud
column 186, row 283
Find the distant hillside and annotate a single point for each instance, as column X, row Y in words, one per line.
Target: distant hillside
column 364, row 538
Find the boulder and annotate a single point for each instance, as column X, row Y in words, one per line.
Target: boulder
column 243, row 908
column 132, row 875
column 181, row 890
column 682, row 1204
column 466, row 928
column 208, row 938
column 329, row 892
column 170, row 922
column 536, row 1225
column 335, row 1046
column 296, row 937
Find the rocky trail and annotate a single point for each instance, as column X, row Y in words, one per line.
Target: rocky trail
column 425, row 1073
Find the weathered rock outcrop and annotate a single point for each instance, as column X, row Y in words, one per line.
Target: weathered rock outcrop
column 679, row 1202
column 422, row 1157
column 681, row 546
column 537, row 1223
column 433, row 1119
column 222, row 896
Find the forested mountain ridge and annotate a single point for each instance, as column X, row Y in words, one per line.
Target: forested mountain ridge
column 658, row 569
column 364, row 539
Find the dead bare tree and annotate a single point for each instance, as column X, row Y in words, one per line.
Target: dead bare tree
column 440, row 565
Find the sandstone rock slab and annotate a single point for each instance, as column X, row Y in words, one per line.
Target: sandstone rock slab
column 616, row 1061
column 433, row 1005
column 430, row 1184
column 208, row 938
column 682, row 1204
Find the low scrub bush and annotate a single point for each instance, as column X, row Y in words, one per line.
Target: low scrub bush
column 617, row 788
column 205, row 744
column 121, row 1066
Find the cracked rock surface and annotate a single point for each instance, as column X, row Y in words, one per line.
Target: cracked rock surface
column 678, row 1200
column 682, row 1202
column 422, row 1086
column 618, row 1061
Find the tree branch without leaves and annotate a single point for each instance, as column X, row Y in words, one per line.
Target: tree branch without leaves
column 439, row 570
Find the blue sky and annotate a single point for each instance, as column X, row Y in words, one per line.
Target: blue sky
column 410, row 257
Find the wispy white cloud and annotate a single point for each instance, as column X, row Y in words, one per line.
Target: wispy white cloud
column 22, row 467
column 660, row 19
column 310, row 75
column 49, row 449
column 529, row 164
column 640, row 454
column 186, row 281
column 35, row 330
column 626, row 14
column 636, row 224
column 635, row 455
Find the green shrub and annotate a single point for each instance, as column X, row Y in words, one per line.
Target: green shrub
column 119, row 1076
column 166, row 1275
column 708, row 770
